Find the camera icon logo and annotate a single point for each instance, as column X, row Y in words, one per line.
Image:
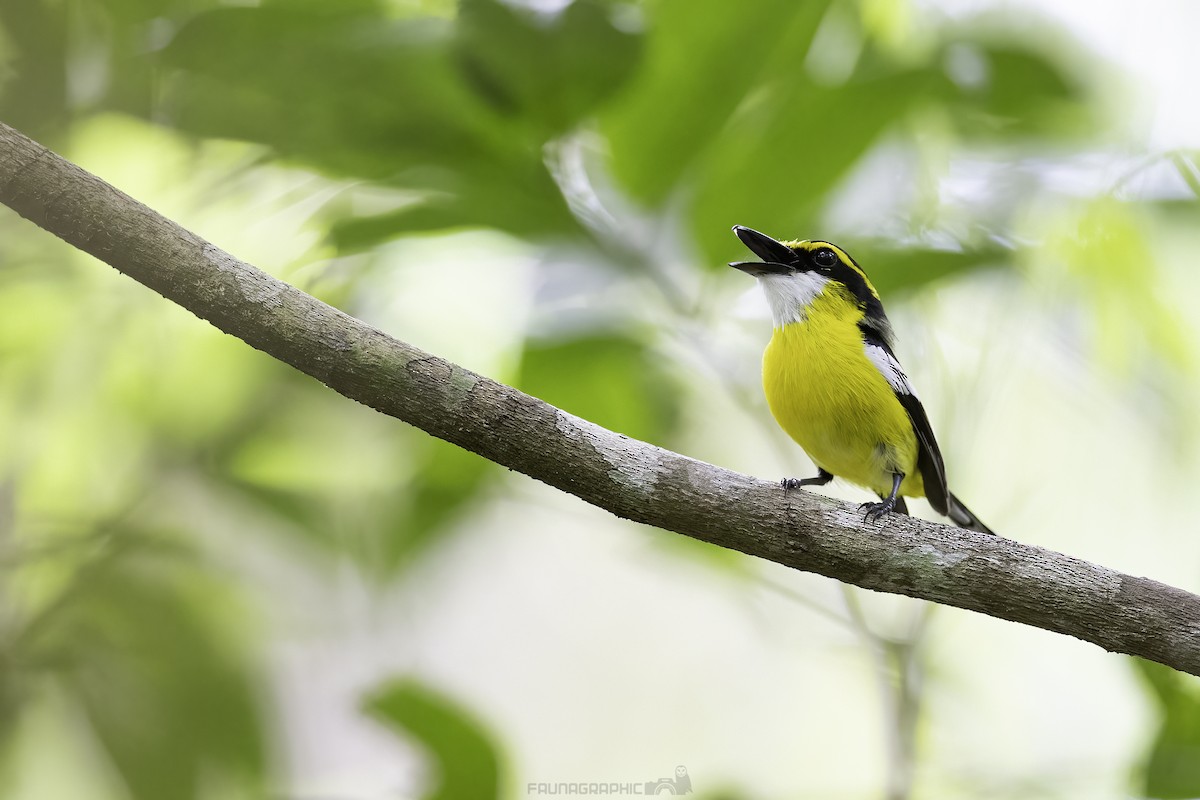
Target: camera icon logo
column 680, row 784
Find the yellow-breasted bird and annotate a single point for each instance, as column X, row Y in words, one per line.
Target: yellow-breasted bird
column 834, row 384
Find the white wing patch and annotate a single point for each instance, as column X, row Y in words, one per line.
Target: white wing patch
column 890, row 368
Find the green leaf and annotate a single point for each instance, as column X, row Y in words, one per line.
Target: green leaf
column 1172, row 767
column 33, row 66
column 346, row 90
column 776, row 163
column 466, row 760
column 609, row 379
column 1021, row 91
column 520, row 199
column 700, row 67
column 548, row 71
column 356, row 93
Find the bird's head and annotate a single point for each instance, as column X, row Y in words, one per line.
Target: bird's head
column 794, row 274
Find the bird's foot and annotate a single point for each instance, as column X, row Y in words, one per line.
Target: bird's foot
column 877, row 510
column 821, row 479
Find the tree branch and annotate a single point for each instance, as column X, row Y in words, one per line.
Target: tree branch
column 632, row 479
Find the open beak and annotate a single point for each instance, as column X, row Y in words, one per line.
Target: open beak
column 777, row 258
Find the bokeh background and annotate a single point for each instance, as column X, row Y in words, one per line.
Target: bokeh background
column 221, row 580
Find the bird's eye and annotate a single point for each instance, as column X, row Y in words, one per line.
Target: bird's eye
column 824, row 257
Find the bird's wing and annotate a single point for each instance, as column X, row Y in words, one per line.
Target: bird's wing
column 929, row 457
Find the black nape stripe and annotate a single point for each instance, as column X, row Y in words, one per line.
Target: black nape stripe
column 854, row 281
column 875, row 324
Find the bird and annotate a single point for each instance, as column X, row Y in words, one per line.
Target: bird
column 833, row 382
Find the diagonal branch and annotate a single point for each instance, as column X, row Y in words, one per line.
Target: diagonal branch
column 631, row 479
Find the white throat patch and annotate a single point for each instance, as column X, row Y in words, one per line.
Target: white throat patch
column 789, row 295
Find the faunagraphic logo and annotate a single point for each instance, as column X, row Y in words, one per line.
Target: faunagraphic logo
column 680, row 784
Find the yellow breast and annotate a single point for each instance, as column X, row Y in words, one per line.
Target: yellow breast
column 826, row 394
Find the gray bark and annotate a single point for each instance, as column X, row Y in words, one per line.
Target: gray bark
column 631, row 479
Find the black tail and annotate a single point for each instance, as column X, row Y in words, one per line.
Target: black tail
column 961, row 516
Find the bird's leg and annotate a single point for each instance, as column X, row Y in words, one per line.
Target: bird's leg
column 877, row 510
column 822, row 478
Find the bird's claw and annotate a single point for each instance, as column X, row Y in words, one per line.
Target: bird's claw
column 877, row 510
column 791, row 483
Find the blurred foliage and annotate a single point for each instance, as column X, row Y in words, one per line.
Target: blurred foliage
column 615, row 382
column 133, row 634
column 1108, row 237
column 615, row 131
column 465, row 759
column 1172, row 767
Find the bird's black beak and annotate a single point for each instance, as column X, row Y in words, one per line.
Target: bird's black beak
column 777, row 258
